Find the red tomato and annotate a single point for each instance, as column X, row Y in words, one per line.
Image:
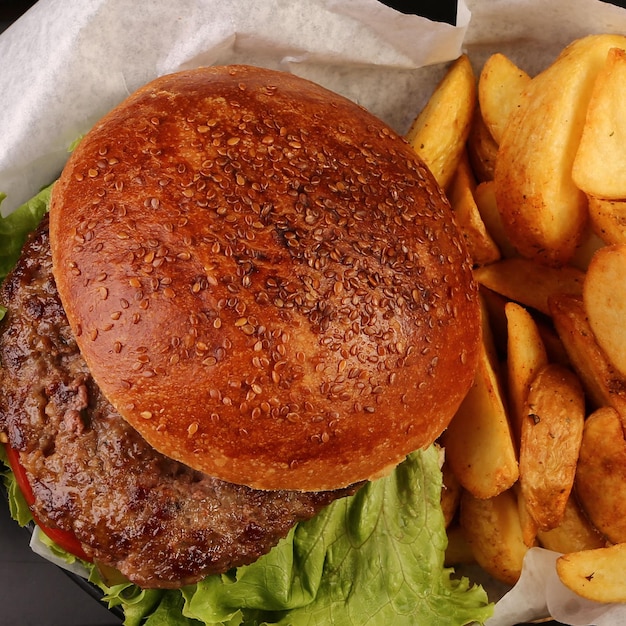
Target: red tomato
column 20, row 475
column 63, row 538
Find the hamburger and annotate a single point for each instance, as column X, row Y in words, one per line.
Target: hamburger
column 249, row 299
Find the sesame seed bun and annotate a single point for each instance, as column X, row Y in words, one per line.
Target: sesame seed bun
column 264, row 279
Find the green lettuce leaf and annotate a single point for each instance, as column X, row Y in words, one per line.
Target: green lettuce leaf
column 373, row 558
column 15, row 227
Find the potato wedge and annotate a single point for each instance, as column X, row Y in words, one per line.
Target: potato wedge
column 500, row 87
column 608, row 219
column 595, row 574
column 551, row 437
column 481, row 148
column 601, row 473
column 552, row 342
column 526, row 357
column 458, row 551
column 574, row 533
column 481, row 246
column 605, row 302
column 527, row 522
column 543, row 211
column 478, row 442
column 600, row 161
column 528, row 282
column 603, row 383
column 494, row 305
column 438, row 134
column 485, row 198
column 492, row 529
column 589, row 245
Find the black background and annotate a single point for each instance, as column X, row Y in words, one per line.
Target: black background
column 33, row 592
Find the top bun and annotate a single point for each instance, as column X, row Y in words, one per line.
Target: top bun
column 264, row 279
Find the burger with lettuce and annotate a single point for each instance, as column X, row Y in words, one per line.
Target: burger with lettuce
column 243, row 315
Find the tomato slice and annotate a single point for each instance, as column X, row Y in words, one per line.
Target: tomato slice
column 63, row 538
column 20, row 475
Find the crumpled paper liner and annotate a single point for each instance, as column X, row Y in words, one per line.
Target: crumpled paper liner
column 63, row 65
column 66, row 64
column 539, row 593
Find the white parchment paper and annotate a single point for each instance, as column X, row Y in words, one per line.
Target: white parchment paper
column 63, row 65
column 539, row 592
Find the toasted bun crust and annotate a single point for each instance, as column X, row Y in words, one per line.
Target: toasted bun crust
column 264, row 279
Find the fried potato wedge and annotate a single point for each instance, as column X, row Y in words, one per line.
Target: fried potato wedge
column 494, row 305
column 603, row 383
column 527, row 522
column 481, row 148
column 595, row 574
column 608, row 219
column 605, row 302
column 551, row 437
column 500, row 87
column 552, row 342
column 543, row 211
column 526, row 357
column 458, row 550
column 481, row 246
column 485, row 198
column 589, row 245
column 574, row 533
column 528, row 282
column 438, row 134
column 493, row 532
column 478, row 442
column 600, row 161
column 601, row 473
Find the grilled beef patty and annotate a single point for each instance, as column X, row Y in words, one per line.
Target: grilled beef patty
column 159, row 522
